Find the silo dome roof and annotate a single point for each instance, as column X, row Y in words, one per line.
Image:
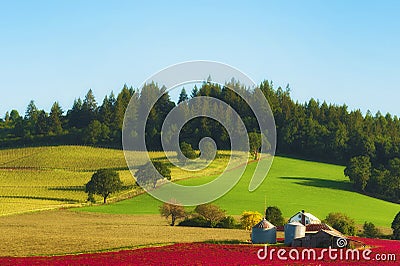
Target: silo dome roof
column 264, row 224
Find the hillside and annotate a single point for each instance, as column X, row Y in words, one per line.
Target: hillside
column 51, row 177
column 292, row 185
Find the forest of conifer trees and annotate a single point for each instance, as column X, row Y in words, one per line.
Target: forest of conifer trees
column 368, row 144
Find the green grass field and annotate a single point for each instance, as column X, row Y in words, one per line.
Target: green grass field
column 292, row 185
column 52, row 177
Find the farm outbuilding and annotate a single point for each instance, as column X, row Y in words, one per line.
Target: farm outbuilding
column 321, row 239
column 263, row 233
column 305, row 218
column 294, row 230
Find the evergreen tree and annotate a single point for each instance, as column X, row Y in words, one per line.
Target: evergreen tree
column 31, row 111
column 183, row 96
column 75, row 115
column 195, row 92
column 7, row 117
column 89, row 109
column 31, row 118
column 42, row 124
column 14, row 115
column 55, row 119
column 120, row 107
column 89, row 103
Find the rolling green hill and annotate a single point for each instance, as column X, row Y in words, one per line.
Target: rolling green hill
column 51, row 177
column 292, row 185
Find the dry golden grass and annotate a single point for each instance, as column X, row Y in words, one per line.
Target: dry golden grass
column 53, row 177
column 65, row 231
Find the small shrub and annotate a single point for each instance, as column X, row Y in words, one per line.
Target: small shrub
column 186, row 152
column 196, row 221
column 370, row 230
column 91, row 198
column 341, row 222
column 228, row 222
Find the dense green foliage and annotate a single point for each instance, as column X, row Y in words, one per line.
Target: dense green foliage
column 359, row 171
column 341, row 222
column 370, row 230
column 103, row 182
column 227, row 222
column 311, row 130
column 151, row 172
column 84, row 123
column 195, row 221
column 274, row 215
column 186, row 152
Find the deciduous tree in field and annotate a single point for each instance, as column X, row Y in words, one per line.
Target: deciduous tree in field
column 104, row 182
column 151, row 172
column 211, row 212
column 173, row 209
column 341, row 222
column 359, row 171
column 255, row 144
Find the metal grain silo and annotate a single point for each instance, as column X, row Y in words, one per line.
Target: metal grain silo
column 263, row 233
column 294, row 230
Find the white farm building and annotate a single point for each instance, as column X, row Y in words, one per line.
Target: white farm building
column 304, row 218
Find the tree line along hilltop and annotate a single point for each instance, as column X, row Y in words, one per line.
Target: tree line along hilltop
column 368, row 144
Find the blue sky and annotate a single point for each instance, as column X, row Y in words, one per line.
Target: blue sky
column 338, row 51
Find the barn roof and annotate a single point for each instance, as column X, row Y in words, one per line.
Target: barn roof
column 264, row 224
column 307, row 214
column 295, row 223
column 317, row 227
column 331, row 232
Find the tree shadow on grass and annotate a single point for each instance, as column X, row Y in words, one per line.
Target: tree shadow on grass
column 320, row 183
column 82, row 188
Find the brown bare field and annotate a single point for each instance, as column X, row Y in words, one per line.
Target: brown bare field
column 65, row 232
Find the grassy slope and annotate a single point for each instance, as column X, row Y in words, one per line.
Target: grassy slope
column 49, row 172
column 292, row 185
